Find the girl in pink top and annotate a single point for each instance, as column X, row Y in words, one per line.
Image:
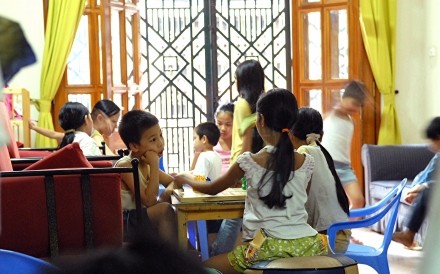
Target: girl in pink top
column 224, row 118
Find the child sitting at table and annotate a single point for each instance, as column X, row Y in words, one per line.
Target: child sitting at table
column 142, row 134
column 209, row 162
column 275, row 219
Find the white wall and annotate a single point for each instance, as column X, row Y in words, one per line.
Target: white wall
column 417, row 74
column 29, row 14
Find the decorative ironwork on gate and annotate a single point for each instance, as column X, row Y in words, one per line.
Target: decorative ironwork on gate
column 190, row 50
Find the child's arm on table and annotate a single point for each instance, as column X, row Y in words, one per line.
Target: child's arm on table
column 233, row 174
column 168, row 181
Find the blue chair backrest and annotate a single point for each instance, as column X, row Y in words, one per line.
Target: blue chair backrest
column 390, row 203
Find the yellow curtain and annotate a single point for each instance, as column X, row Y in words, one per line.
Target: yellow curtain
column 62, row 22
column 378, row 26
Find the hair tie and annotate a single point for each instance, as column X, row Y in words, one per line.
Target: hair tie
column 312, row 137
column 285, row 130
column 69, row 131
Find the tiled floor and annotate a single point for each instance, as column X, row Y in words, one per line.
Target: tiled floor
column 401, row 260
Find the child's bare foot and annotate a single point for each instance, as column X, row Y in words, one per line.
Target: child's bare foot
column 404, row 238
column 356, row 241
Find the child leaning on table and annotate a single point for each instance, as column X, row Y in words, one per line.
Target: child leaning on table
column 209, row 162
column 275, row 219
column 142, row 135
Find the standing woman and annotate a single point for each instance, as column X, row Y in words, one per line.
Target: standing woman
column 249, row 78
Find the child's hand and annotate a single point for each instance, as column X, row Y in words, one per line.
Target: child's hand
column 414, row 192
column 181, row 179
column 32, row 124
column 151, row 158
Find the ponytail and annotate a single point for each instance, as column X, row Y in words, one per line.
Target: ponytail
column 68, row 138
column 340, row 192
column 280, row 162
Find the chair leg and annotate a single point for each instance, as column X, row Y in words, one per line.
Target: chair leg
column 202, row 232
column 382, row 264
column 192, row 233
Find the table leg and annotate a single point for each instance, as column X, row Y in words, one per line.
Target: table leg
column 182, row 230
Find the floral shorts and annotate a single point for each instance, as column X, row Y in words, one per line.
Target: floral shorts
column 275, row 248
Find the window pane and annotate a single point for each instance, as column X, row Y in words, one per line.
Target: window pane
column 312, row 46
column 310, row 1
column 338, row 44
column 78, row 65
column 116, row 52
column 129, row 46
column 336, row 95
column 85, row 99
column 313, row 98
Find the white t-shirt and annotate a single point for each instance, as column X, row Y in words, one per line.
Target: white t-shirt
column 338, row 133
column 322, row 204
column 209, row 164
column 87, row 144
column 284, row 223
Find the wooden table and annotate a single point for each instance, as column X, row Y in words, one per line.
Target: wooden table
column 205, row 210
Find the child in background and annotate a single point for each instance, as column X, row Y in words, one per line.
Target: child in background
column 77, row 123
column 419, row 195
column 209, row 163
column 142, row 134
column 249, row 78
column 327, row 202
column 224, row 119
column 275, row 219
column 338, row 134
column 105, row 116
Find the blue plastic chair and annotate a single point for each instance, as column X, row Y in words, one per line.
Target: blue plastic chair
column 376, row 257
column 198, row 237
column 18, row 263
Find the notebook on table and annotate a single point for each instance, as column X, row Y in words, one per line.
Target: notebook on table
column 188, row 195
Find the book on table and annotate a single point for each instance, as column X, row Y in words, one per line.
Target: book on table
column 189, row 195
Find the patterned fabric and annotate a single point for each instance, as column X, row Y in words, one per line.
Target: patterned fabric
column 275, row 248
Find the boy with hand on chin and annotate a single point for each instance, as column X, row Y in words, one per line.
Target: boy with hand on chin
column 142, row 135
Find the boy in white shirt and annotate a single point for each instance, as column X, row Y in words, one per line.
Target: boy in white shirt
column 209, row 163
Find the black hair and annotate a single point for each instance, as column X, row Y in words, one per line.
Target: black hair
column 133, row 124
column 226, row 107
column 433, row 129
column 282, row 161
column 310, row 121
column 210, row 130
column 250, row 81
column 71, row 117
column 356, row 90
column 145, row 254
column 108, row 107
column 250, row 84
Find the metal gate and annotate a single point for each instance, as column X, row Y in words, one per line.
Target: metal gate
column 190, row 50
